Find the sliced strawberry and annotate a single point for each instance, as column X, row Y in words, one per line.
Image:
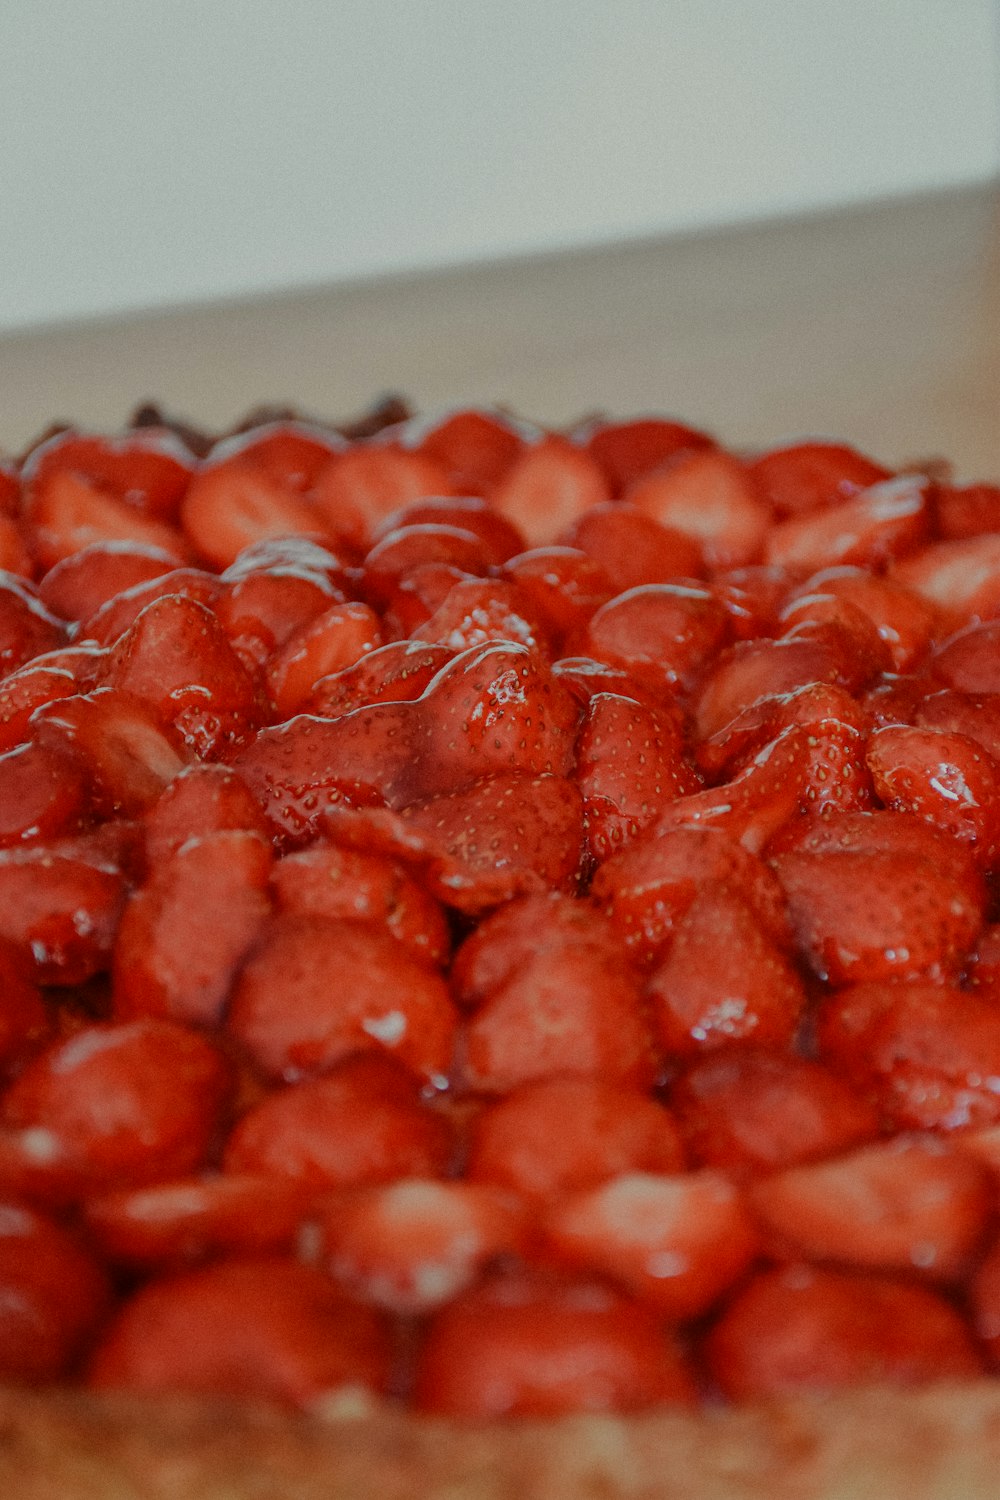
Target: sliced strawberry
column 630, row 761
column 200, row 800
column 476, row 447
column 565, row 587
column 398, row 552
column 332, row 881
column 959, row 577
column 752, row 597
column 53, row 1294
column 476, row 611
column 817, row 704
column 121, row 611
column 967, row 510
column 286, row 556
column 521, row 1142
column 412, row 1246
column 518, row 932
column 291, row 453
column 76, row 588
column 264, row 1329
column 633, row 548
column 362, row 1122
column 754, row 672
column 396, row 673
column 295, row 1023
column 542, row 1346
column 359, row 488
column 968, row 662
column 712, row 498
column 261, row 609
column 813, row 475
column 547, row 487
column 119, row 742
column 61, row 913
column 15, row 554
column 43, row 793
column 68, row 511
column 469, row 513
column 26, row 626
column 904, row 621
column 852, row 637
column 418, row 595
column 331, row 642
column 946, row 778
column 750, row 1111
column 662, row 634
column 881, row 523
column 148, row 471
column 24, row 1019
column 676, row 1242
column 628, row 450
column 723, row 981
column 797, row 1329
column 172, row 1223
column 232, row 504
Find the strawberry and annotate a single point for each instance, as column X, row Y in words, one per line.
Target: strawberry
column 290, row 556
column 946, row 778
column 147, row 471
column 362, row 1122
column 565, row 587
column 24, row 1019
column 261, row 609
column 357, row 489
column 857, row 649
column 662, row 634
column 986, row 1305
column 172, row 1223
column 470, row 513
column 904, row 621
column 418, row 595
column 820, row 706
column 263, row 1328
column 585, row 678
column 960, row 577
column 519, row 932
column 747, row 1111
column 61, row 913
column 811, row 475
column 118, row 742
column 712, row 498
column 968, row 662
column 475, row 447
column 121, row 611
column 395, row 673
column 296, row 1023
column 15, row 556
column 290, row 453
column 76, row 587
column 536, row 1345
column 231, row 504
column 520, row 1142
column 547, row 487
column 754, row 672
column 397, row 552
column 886, row 521
column 797, row 1329
column 43, row 793
column 475, row 611
column 967, row 510
column 630, row 760
column 723, row 981
column 330, row 642
column 53, row 1295
column 413, row 1245
column 675, row 1242
column 68, row 511
column 168, row 1085
column 628, row 450
column 202, row 799
column 752, row 598
column 632, row 548
column 26, row 626
column 185, row 933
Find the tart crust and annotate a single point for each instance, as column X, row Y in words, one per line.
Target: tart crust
column 939, row 1443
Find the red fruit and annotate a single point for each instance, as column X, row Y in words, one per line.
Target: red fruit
column 114, row 1106
column 469, row 513
column 632, row 548
column 662, row 634
column 24, row 1020
column 176, row 1222
column 986, row 1305
column 317, row 990
column 819, row 705
column 185, row 933
column 547, row 487
column 293, row 556
column 26, row 626
column 519, row 932
column 52, row 1296
column 263, row 1329
column 475, row 447
column 797, row 1329
column 676, row 1242
column 902, row 1205
column 747, row 1112
column 43, row 793
column 118, row 741
column 946, row 778
column 960, row 577
column 396, row 673
column 813, row 476
column 121, row 611
column 232, row 504
column 559, row 1135
column 147, row 471
column 292, row 454
column 647, row 888
column 61, row 913
column 752, row 598
column 411, row 1246
column 362, row 1122
column 928, row 1054
column 200, row 800
column 77, row 587
column 260, row 610
column 329, row 643
column 564, row 585
column 176, row 657
column 475, row 611
column 754, row 672
column 329, row 881
column 423, row 590
column 969, row 661
column 858, row 651
column 359, row 488
column 630, row 761
column 723, row 981
column 967, row 510
column 15, row 556
column 881, row 523
column 528, row 1345
column 411, row 544
column 712, row 498
column 904, row 621
column 628, row 450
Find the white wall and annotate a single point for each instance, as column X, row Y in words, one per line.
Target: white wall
column 167, row 150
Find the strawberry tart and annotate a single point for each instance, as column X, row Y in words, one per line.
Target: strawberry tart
column 499, row 965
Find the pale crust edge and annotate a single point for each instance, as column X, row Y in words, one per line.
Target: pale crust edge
column 940, row 1443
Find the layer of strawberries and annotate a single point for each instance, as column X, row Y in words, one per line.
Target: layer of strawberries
column 500, row 919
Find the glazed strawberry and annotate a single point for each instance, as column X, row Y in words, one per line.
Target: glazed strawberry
column 986, row 1305
column 185, row 933
column 818, row 705
column 647, row 888
column 858, row 651
column 414, row 1245
column 967, row 510
column 317, row 989
column 173, row 1223
column 291, row 453
column 904, row 621
column 168, row 1085
column 362, row 1122
column 26, row 627
column 331, row 642
column 261, row 609
column 675, row 1242
column 24, row 1020
column 910, row 1204
column 119, row 613
column 797, row 1329
column 396, row 673
column 476, row 611
column 813, row 475
column 521, row 1142
column 542, row 1346
column 723, row 982
column 53, row 1294
column 662, row 634
column 45, row 679
column 266, row 1329
column 470, row 513
column 418, row 594
column 547, row 487
column 946, row 778
column 884, row 522
column 15, row 555
column 43, row 793
column 748, row 1111
column 359, row 488
column 475, row 447
column 232, row 504
column 565, row 587
column 752, row 597
column 630, row 761
column 118, row 742
column 754, row 672
column 968, row 662
column 200, row 800
column 628, row 450
column 959, row 577
column 77, row 587
column 61, row 913
column 147, row 471
column 632, row 548
column 413, row 543
column 518, row 932
column 712, row 498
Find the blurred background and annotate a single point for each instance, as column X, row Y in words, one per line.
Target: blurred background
column 762, row 214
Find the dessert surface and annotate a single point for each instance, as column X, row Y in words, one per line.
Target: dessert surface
column 497, row 924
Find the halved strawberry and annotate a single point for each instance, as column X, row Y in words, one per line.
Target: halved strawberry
column 120, row 743
column 968, row 661
column 517, row 933
column 53, row 1295
column 628, row 450
column 119, row 613
column 330, row 642
column 711, row 497
column 27, row 628
column 986, row 1305
column 24, row 1019
column 359, row 488
column 61, row 913
column 291, row 453
column 960, row 577
column 663, row 634
column 260, row 609
column 967, row 510
column 475, row 611
column 884, row 522
column 201, row 799
column 77, row 586
column 755, row 672
column 547, row 487
column 946, row 778
column 632, row 547
column 396, row 673
column 475, row 445
column 43, row 793
column 813, row 475
column 231, row 504
column 398, row 552
column 467, row 512
column 147, row 470
column 565, row 587
column 903, row 620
